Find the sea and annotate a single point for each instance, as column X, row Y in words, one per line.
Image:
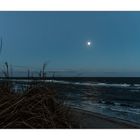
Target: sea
column 114, row 97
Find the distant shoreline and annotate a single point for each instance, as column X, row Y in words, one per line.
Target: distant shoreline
column 102, row 79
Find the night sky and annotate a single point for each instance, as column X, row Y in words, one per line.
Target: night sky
column 60, row 38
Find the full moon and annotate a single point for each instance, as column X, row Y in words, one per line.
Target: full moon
column 88, row 43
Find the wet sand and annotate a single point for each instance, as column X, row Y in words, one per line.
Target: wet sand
column 89, row 120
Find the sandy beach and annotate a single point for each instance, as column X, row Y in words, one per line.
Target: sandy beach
column 90, row 120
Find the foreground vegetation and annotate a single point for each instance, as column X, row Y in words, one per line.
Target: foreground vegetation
column 36, row 107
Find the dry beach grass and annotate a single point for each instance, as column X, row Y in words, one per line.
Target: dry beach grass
column 38, row 107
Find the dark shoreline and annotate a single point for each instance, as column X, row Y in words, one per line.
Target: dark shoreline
column 92, row 120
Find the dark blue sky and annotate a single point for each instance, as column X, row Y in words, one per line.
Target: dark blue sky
column 31, row 38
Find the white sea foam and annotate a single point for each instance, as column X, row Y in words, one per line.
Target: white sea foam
column 125, row 85
column 111, row 110
column 135, row 90
column 137, row 85
column 90, row 83
column 126, row 109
